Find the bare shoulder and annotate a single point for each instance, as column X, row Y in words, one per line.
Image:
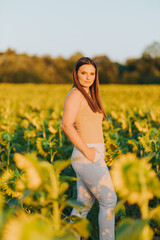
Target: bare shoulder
column 74, row 95
column 71, row 106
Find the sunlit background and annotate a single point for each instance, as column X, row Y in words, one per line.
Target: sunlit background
column 120, row 29
column 40, row 41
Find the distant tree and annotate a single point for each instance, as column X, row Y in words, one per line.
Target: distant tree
column 20, row 68
column 75, row 57
column 63, row 73
column 72, row 60
column 152, row 50
column 144, row 70
column 108, row 71
column 47, row 60
column 10, row 51
column 121, row 69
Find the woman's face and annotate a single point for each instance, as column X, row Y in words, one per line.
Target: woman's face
column 86, row 75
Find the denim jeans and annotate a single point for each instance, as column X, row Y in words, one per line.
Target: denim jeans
column 95, row 182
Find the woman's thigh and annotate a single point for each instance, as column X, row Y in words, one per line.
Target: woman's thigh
column 95, row 174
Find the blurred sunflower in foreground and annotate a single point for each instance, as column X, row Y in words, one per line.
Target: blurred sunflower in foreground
column 134, row 179
column 136, row 182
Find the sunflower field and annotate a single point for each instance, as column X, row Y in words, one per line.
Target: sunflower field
column 37, row 182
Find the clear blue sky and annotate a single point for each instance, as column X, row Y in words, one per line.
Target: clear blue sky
column 120, row 29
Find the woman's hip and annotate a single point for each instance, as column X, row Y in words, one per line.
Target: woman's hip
column 79, row 160
column 100, row 146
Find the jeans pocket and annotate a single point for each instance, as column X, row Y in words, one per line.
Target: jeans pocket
column 98, row 156
column 95, row 157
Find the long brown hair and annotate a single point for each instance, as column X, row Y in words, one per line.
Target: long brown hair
column 94, row 102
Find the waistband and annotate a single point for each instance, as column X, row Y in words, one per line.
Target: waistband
column 99, row 146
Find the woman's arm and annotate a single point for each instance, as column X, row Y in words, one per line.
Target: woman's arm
column 71, row 107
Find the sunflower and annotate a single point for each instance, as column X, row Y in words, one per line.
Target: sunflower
column 134, row 179
column 30, row 165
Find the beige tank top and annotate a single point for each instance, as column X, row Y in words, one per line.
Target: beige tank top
column 89, row 124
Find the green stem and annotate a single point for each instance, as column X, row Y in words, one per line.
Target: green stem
column 144, row 206
column 130, row 129
column 44, row 133
column 144, row 209
column 55, row 204
column 56, row 215
column 27, row 144
column 51, row 153
column 60, row 137
column 145, row 214
column 8, row 153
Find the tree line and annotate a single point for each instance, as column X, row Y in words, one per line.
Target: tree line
column 22, row 68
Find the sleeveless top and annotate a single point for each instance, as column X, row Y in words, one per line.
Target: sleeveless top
column 89, row 124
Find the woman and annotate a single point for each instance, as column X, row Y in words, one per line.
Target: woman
column 82, row 124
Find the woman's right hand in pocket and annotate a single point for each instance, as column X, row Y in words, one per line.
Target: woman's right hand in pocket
column 90, row 154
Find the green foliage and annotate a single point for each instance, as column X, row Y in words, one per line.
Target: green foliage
column 38, row 184
column 134, row 229
column 47, row 193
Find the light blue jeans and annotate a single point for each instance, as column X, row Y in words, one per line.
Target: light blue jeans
column 95, row 182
